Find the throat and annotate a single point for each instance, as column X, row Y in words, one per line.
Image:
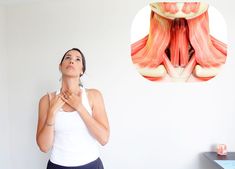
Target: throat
column 70, row 84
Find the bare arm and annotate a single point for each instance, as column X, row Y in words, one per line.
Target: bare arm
column 46, row 120
column 97, row 123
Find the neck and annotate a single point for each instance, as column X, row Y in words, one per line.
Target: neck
column 71, row 84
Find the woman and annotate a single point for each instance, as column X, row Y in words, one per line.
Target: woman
column 72, row 119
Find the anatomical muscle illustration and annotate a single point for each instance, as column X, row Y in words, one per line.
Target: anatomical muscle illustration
column 179, row 46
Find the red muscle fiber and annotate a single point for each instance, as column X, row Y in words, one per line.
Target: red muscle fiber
column 179, row 43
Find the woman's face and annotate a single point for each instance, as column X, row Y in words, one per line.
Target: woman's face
column 72, row 64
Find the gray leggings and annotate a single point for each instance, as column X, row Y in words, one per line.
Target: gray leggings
column 97, row 164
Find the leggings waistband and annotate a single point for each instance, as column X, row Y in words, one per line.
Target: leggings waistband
column 97, row 164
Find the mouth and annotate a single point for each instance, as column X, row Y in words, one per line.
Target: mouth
column 69, row 67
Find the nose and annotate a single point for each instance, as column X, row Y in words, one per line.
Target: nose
column 71, row 61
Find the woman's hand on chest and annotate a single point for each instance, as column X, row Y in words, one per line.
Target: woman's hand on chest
column 72, row 99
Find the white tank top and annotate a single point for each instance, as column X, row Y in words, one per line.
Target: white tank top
column 73, row 144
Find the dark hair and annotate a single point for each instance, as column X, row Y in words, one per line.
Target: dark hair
column 83, row 58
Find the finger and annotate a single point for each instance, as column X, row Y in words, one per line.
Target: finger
column 65, row 95
column 62, row 103
column 60, row 100
column 64, row 99
column 68, row 93
column 58, row 97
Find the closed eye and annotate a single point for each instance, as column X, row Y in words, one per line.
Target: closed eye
column 67, row 57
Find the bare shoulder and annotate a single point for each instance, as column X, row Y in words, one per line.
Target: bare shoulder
column 44, row 100
column 93, row 93
column 94, row 96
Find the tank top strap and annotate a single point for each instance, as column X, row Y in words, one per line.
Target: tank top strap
column 49, row 96
column 57, row 92
column 85, row 100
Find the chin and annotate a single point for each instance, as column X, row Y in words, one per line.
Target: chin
column 71, row 75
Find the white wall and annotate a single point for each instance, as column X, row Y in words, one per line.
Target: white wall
column 4, row 119
column 152, row 125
